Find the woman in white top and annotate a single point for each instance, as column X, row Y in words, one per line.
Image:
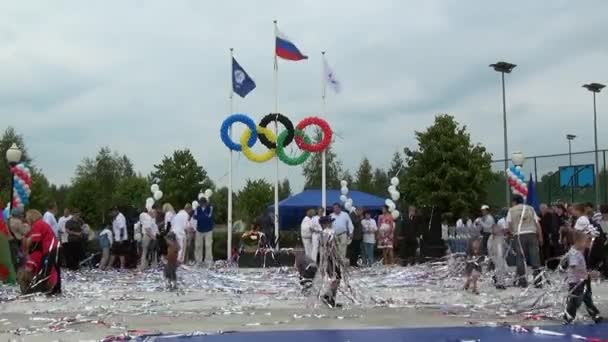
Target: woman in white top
column 169, row 214
column 369, row 238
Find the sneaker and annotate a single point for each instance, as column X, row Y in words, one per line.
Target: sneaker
column 597, row 319
column 327, row 301
column 567, row 318
column 500, row 287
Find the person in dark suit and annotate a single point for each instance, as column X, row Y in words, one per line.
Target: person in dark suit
column 408, row 237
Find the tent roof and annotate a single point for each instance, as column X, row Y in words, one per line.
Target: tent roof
column 312, row 198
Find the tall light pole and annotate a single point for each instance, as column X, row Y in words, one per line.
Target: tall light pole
column 13, row 156
column 595, row 88
column 571, row 137
column 504, row 68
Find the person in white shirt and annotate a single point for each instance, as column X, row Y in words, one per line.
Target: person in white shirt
column 369, row 238
column 105, row 243
column 306, row 232
column 343, row 229
column 528, row 238
column 179, row 224
column 49, row 218
column 61, row 225
column 119, row 229
column 169, row 215
column 316, row 229
column 147, row 220
column 485, row 225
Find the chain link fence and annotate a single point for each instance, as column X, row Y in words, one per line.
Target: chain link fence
column 545, row 170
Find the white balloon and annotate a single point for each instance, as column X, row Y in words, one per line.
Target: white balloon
column 194, row 205
column 344, row 190
column 395, row 181
column 149, row 206
column 392, row 189
column 389, row 202
column 343, row 198
column 395, row 214
column 154, row 188
column 344, row 184
column 208, row 193
column 201, row 196
column 158, row 195
column 395, row 196
column 349, row 200
column 353, row 209
column 348, row 206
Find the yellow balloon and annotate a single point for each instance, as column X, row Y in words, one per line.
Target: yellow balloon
column 262, row 157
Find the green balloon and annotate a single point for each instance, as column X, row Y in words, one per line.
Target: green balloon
column 293, row 161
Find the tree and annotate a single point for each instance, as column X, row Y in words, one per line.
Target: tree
column 447, row 171
column 381, row 183
column 98, row 185
column 284, row 189
column 181, row 178
column 253, row 199
column 312, row 169
column 219, row 201
column 364, row 177
column 348, row 178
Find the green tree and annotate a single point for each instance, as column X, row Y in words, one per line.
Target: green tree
column 312, row 169
column 381, row 183
column 348, row 178
column 181, row 178
column 132, row 191
column 398, row 168
column 96, row 186
column 253, row 199
column 447, row 171
column 284, row 189
column 364, row 179
column 219, row 201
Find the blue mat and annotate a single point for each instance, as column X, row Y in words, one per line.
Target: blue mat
column 410, row 334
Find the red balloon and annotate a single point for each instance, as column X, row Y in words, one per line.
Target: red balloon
column 321, row 145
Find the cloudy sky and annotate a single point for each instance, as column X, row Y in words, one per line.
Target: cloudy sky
column 148, row 77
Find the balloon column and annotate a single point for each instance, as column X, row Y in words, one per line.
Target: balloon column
column 276, row 144
column 347, row 201
column 22, row 182
column 157, row 195
column 395, row 195
column 517, row 181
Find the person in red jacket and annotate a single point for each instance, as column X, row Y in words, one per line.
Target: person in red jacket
column 41, row 272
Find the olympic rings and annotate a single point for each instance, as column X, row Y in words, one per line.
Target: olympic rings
column 258, row 158
column 319, row 146
column 281, row 149
column 284, row 121
column 276, row 145
column 242, row 118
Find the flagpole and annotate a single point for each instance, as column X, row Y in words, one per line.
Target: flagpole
column 229, row 220
column 276, row 131
column 323, row 154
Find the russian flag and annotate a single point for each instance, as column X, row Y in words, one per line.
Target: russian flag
column 285, row 49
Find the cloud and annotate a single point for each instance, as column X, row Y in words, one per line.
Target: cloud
column 148, row 77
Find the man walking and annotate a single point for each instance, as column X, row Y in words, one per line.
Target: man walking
column 204, row 233
column 342, row 227
column 486, row 223
column 354, row 249
column 528, row 237
column 119, row 229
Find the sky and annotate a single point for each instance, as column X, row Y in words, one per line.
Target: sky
column 148, row 77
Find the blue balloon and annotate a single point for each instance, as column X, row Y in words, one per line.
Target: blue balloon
column 5, row 214
column 242, row 118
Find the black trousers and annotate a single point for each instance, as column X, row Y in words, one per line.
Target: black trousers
column 73, row 252
column 579, row 294
column 407, row 251
column 354, row 251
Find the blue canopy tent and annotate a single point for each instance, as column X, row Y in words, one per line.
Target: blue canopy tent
column 293, row 209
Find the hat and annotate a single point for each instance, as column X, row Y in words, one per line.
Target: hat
column 485, row 207
column 326, row 219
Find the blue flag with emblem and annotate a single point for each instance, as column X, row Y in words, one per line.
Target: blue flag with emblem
column 532, row 196
column 242, row 84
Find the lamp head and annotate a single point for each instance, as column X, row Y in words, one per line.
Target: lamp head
column 505, row 67
column 570, row 136
column 594, row 87
column 518, row 158
column 13, row 154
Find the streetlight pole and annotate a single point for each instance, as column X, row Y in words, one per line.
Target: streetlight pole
column 13, row 156
column 595, row 88
column 571, row 137
column 504, row 67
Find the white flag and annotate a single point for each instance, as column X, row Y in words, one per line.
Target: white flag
column 330, row 77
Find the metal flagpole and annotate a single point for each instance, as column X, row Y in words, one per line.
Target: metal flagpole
column 229, row 220
column 276, row 131
column 323, row 154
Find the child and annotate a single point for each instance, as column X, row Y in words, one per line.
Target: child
column 307, row 269
column 579, row 279
column 105, row 243
column 330, row 262
column 473, row 267
column 496, row 252
column 171, row 265
column 369, row 238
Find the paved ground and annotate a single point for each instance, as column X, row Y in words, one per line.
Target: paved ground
column 97, row 304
